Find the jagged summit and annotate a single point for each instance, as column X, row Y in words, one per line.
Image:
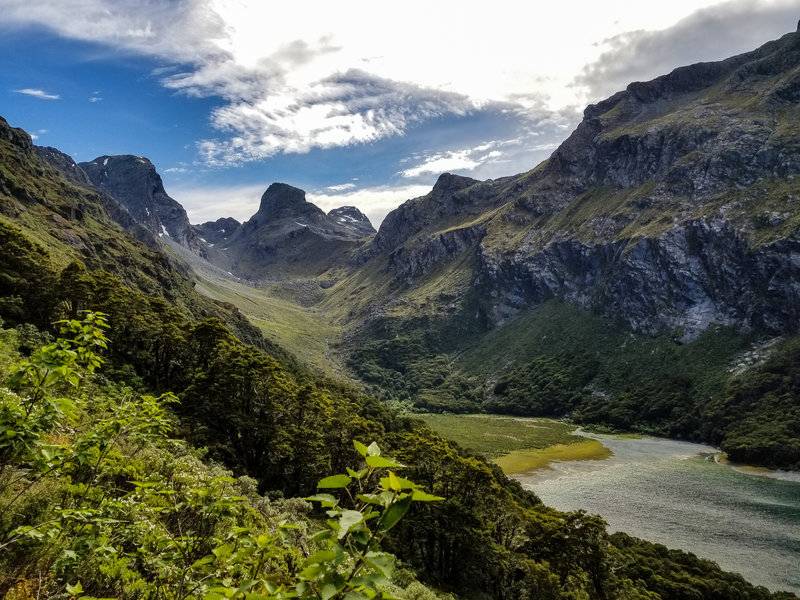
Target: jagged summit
column 289, row 236
column 352, row 218
column 134, row 182
column 283, row 201
column 214, row 232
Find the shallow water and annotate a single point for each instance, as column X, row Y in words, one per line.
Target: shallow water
column 676, row 494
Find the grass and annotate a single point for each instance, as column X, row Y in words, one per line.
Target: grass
column 305, row 332
column 495, row 435
column 521, row 461
column 559, row 328
column 516, row 444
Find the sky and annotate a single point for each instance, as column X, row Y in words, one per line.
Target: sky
column 358, row 103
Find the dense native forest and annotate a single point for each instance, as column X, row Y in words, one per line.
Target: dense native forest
column 601, row 375
column 148, row 452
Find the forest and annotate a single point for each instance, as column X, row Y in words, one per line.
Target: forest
column 147, row 452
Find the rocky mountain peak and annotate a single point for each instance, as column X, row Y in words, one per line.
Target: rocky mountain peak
column 352, row 218
column 214, row 232
column 448, row 184
column 282, row 201
column 134, row 182
column 18, row 137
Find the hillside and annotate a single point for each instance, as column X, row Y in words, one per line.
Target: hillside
column 100, row 496
column 649, row 266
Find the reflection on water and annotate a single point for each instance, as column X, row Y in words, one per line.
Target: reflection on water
column 676, row 494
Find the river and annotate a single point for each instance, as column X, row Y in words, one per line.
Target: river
column 677, row 494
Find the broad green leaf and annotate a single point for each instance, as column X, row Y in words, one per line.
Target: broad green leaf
column 322, row 535
column 381, row 462
column 348, row 520
column 313, row 572
column 222, row 551
column 325, row 500
column 203, row 561
column 74, row 590
column 381, row 561
column 328, row 591
column 319, row 557
column 335, row 481
column 404, row 484
column 369, row 498
column 361, row 448
column 393, row 514
column 420, row 496
column 356, row 474
column 373, row 449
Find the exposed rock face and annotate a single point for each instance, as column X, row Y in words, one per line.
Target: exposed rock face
column 216, row 232
column 353, row 219
column 289, row 236
column 65, row 166
column 673, row 206
column 134, row 182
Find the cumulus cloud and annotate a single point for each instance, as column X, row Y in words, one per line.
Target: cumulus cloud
column 709, row 34
column 446, row 161
column 41, row 94
column 375, row 202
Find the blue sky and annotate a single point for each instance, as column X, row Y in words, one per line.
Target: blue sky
column 354, row 104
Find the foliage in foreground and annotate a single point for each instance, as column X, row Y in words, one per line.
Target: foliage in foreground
column 94, row 494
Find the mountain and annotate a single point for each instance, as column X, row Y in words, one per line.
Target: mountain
column 134, row 182
column 291, row 237
column 644, row 277
column 472, row 296
column 351, row 218
column 215, row 232
column 672, row 207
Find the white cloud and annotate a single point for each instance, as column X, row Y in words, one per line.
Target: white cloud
column 300, row 75
column 209, row 203
column 176, row 170
column 374, row 202
column 442, row 163
column 38, row 94
column 342, row 187
column 709, row 34
column 95, row 99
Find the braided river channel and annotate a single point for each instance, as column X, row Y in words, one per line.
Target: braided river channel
column 678, row 494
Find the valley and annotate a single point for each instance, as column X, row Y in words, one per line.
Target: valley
column 642, row 282
column 672, row 493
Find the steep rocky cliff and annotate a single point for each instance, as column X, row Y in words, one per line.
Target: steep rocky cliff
column 674, row 205
column 134, row 182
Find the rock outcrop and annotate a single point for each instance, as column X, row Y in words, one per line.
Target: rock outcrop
column 217, row 232
column 353, row 219
column 673, row 206
column 134, row 183
column 291, row 237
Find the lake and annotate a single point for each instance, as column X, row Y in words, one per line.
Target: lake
column 677, row 494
